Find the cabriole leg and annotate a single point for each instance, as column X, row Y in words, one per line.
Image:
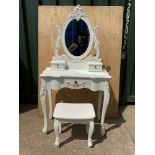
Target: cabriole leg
column 104, row 108
column 56, row 130
column 43, row 103
column 59, row 126
column 90, row 133
column 50, row 103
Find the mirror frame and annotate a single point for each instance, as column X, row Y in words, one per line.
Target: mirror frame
column 77, row 14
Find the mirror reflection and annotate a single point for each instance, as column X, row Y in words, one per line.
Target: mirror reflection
column 77, row 37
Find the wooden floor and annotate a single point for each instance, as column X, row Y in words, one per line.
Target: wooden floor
column 119, row 138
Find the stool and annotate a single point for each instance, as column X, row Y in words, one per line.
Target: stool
column 80, row 113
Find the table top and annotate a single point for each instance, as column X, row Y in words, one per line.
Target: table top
column 75, row 73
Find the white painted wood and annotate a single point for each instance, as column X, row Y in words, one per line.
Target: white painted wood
column 76, row 64
column 56, row 130
column 95, row 66
column 78, row 79
column 59, row 127
column 42, row 95
column 85, row 61
column 74, row 113
column 105, row 105
column 96, row 42
column 73, row 73
column 58, row 65
column 58, row 40
column 90, row 133
column 68, row 71
column 50, row 103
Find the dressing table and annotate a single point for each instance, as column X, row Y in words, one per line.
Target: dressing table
column 76, row 68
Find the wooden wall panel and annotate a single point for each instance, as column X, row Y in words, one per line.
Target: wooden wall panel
column 110, row 20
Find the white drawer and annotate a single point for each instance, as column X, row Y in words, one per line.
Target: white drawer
column 95, row 66
column 76, row 83
column 58, row 65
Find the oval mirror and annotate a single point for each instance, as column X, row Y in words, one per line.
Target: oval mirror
column 77, row 37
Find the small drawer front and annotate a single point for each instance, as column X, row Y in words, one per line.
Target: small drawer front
column 58, row 66
column 76, row 83
column 93, row 68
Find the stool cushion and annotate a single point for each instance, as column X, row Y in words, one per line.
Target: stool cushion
column 78, row 111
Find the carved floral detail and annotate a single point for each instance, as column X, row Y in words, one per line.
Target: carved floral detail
column 43, row 89
column 96, row 42
column 107, row 90
column 77, row 13
column 58, row 40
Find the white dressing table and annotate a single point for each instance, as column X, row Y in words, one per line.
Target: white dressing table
column 76, row 72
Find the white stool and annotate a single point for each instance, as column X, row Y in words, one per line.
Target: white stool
column 74, row 113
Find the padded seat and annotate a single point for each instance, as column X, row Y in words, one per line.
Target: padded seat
column 76, row 111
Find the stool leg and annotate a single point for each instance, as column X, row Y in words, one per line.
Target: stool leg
column 59, row 127
column 91, row 130
column 56, row 130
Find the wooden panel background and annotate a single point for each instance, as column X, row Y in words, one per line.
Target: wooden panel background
column 109, row 19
